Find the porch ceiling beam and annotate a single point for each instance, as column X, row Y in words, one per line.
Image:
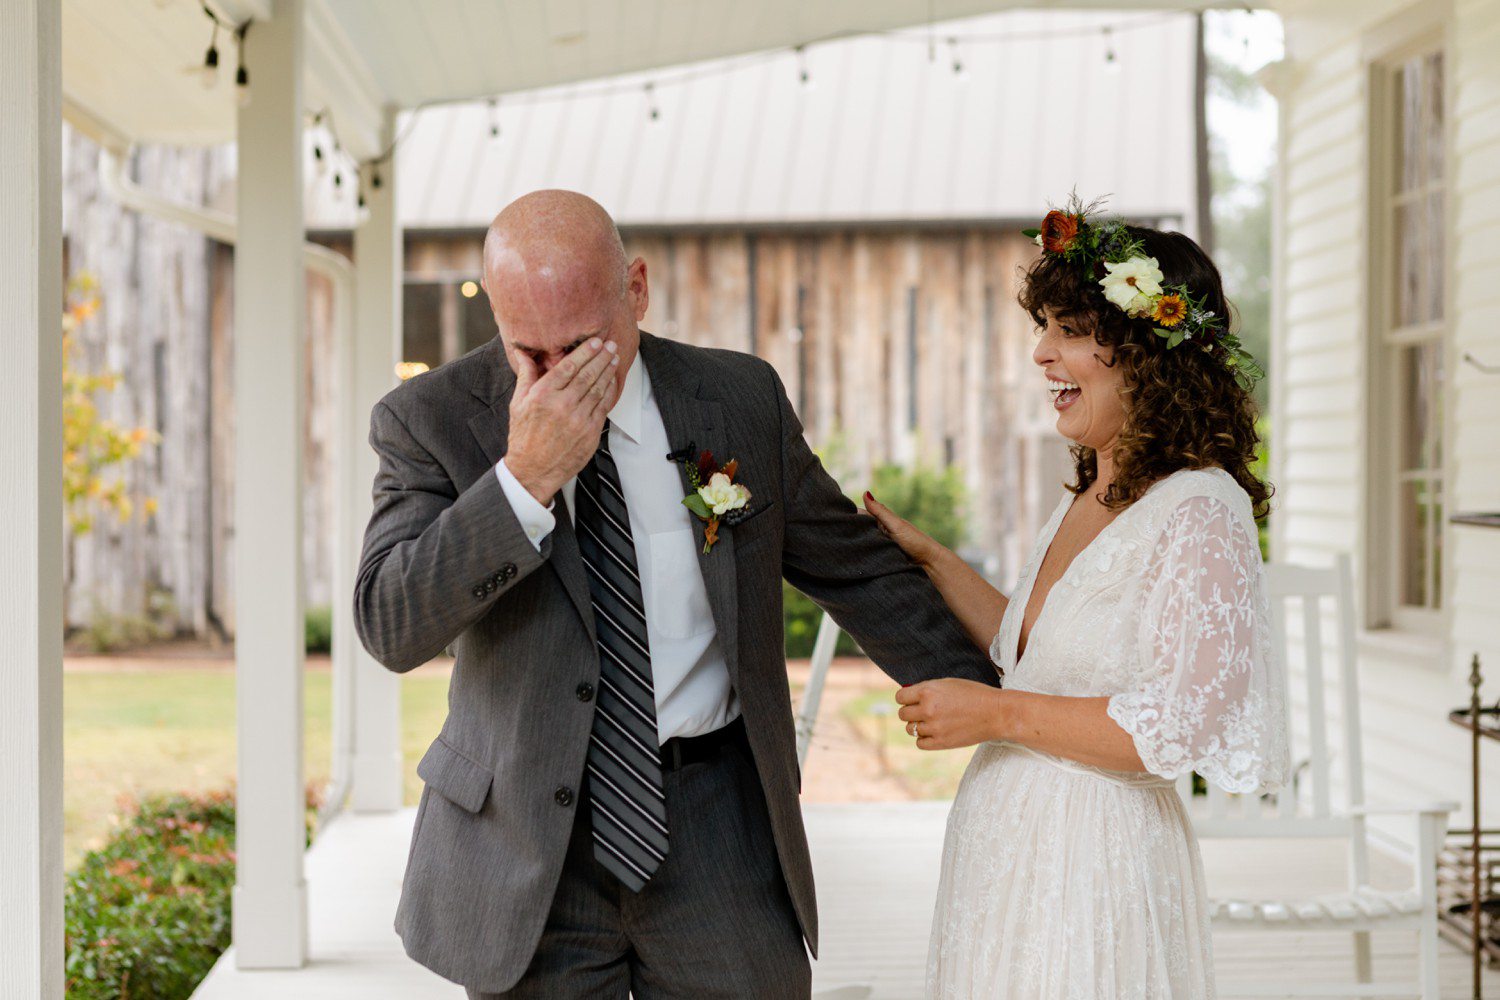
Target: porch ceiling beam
column 239, row 11
column 338, row 78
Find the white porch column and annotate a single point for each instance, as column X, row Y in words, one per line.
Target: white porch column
column 31, row 752
column 377, row 769
column 270, row 900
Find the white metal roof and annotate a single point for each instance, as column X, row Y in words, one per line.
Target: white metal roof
column 881, row 134
column 128, row 64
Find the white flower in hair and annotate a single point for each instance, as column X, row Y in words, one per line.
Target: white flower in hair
column 1133, row 284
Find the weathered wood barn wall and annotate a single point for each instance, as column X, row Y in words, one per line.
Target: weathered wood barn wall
column 896, row 345
column 166, row 325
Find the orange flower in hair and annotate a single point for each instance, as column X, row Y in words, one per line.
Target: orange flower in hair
column 1059, row 230
column 1170, row 310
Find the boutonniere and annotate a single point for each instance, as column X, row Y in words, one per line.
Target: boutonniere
column 716, row 497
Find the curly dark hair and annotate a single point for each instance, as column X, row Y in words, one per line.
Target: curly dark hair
column 1185, row 407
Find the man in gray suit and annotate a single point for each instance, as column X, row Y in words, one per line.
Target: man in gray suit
column 612, row 804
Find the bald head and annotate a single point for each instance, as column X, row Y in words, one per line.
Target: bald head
column 556, row 274
column 555, row 241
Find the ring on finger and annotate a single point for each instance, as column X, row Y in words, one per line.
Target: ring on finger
column 911, row 730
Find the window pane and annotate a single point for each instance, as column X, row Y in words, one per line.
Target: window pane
column 1419, row 261
column 420, row 338
column 1419, row 122
column 476, row 321
column 1420, row 375
column 1421, row 517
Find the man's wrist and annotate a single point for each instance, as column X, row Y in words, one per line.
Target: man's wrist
column 540, row 490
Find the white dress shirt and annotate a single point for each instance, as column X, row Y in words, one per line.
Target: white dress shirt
column 688, row 672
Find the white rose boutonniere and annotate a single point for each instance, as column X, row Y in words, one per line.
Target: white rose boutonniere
column 716, row 497
column 722, row 496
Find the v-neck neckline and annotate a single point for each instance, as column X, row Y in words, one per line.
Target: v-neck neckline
column 1017, row 653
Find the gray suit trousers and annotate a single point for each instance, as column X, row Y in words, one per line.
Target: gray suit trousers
column 716, row 921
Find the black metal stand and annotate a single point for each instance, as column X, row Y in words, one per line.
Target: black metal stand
column 1472, row 922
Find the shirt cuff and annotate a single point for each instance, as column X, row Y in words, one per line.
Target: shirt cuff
column 537, row 521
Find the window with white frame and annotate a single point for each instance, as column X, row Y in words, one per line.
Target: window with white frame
column 1408, row 365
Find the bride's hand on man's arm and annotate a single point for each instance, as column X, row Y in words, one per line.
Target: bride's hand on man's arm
column 949, row 713
column 977, row 605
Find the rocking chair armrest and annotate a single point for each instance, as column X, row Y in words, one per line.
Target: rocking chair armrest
column 1405, row 809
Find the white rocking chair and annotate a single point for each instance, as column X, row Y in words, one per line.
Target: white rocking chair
column 1305, row 809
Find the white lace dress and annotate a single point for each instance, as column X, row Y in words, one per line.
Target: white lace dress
column 1066, row 881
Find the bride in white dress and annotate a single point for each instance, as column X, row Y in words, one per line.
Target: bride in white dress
column 1135, row 647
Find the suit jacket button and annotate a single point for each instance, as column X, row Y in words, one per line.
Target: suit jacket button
column 479, row 592
column 508, row 570
column 585, row 691
column 564, row 796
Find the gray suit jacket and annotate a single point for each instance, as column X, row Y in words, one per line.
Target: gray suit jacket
column 446, row 562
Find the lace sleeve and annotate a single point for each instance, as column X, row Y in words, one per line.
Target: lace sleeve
column 1212, row 696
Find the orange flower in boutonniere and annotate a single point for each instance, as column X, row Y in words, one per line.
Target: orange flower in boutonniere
column 716, row 496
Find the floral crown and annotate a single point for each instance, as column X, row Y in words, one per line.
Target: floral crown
column 1132, row 282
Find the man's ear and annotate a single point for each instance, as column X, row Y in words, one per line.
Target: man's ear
column 638, row 288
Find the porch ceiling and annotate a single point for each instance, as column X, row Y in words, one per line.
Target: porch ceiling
column 129, row 69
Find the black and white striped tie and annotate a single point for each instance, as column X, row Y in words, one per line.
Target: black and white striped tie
column 624, row 757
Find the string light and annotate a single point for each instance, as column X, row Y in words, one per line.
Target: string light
column 209, row 75
column 241, row 74
column 926, row 34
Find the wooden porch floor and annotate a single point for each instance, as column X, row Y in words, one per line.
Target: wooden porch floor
column 877, row 868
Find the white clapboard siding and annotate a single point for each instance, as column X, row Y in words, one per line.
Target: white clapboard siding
column 1322, row 392
column 1474, row 581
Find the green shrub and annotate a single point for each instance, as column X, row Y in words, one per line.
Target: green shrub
column 147, row 915
column 107, row 632
column 931, row 499
column 1262, row 470
column 319, row 628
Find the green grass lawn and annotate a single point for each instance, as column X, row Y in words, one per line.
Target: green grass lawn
column 930, row 774
column 128, row 733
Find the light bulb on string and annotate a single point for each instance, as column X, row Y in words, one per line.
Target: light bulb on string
column 802, row 73
column 241, row 74
column 1111, row 59
column 494, row 105
column 209, row 74
column 242, row 87
column 959, row 70
column 654, row 112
